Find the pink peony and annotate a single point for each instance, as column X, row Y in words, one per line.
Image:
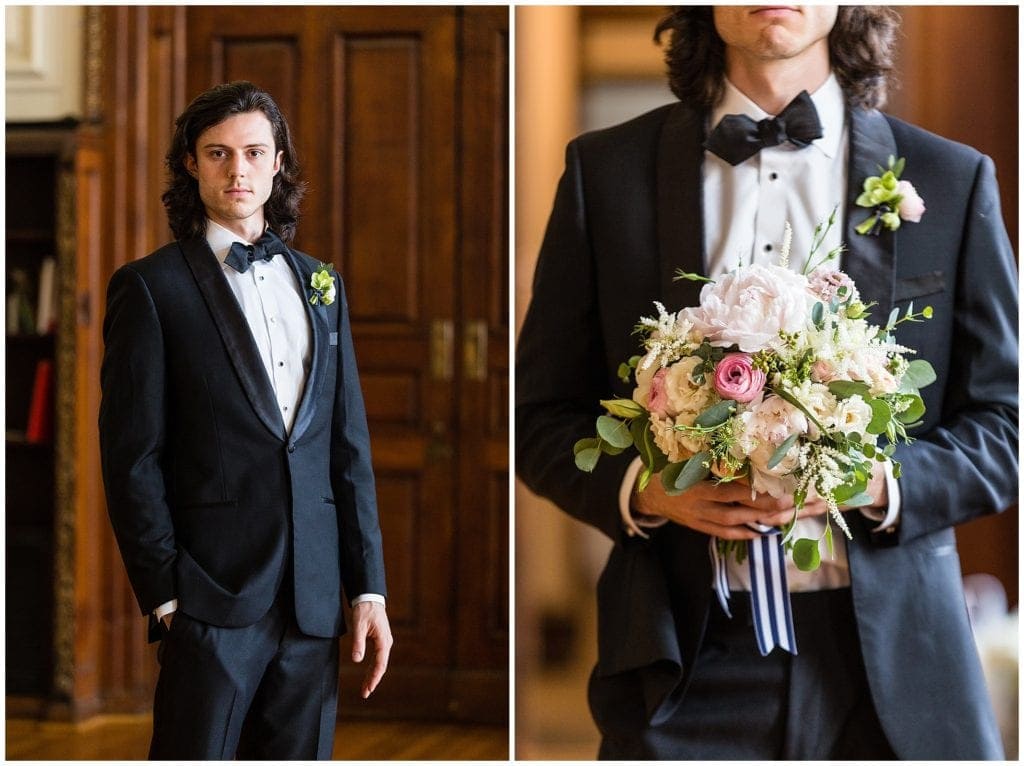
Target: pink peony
column 657, row 401
column 911, row 206
column 736, row 378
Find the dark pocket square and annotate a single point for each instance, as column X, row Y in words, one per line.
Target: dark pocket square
column 919, row 286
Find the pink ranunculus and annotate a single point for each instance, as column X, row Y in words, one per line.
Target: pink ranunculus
column 657, row 401
column 736, row 378
column 911, row 206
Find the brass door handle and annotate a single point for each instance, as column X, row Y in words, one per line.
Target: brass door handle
column 474, row 350
column 442, row 355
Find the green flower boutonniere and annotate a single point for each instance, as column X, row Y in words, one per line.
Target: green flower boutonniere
column 891, row 200
column 322, row 285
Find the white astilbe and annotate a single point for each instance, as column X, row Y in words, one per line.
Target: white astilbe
column 825, row 469
column 669, row 339
column 787, row 243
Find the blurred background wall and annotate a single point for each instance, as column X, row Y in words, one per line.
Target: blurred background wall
column 585, row 67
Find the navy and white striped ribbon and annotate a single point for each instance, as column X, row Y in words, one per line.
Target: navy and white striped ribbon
column 769, row 591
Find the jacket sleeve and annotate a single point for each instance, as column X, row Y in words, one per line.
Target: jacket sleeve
column 562, row 371
column 967, row 465
column 132, row 428
column 362, row 557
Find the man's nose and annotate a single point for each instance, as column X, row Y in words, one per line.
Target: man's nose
column 236, row 167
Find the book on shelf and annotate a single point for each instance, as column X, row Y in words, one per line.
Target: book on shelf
column 40, row 411
column 46, row 308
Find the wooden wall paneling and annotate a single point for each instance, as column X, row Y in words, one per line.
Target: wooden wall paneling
column 481, row 681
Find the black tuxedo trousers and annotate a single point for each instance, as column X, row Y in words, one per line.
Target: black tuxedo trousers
column 628, row 213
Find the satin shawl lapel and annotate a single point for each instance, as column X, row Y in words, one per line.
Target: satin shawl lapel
column 680, row 210
column 235, row 332
column 870, row 260
column 321, row 345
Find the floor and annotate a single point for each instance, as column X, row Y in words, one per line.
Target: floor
column 126, row 737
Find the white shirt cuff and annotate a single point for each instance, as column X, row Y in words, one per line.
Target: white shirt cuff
column 168, row 607
column 376, row 598
column 631, row 521
column 891, row 516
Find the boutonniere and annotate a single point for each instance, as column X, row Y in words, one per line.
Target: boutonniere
column 322, row 285
column 892, row 200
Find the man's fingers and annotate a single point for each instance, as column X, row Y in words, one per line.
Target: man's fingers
column 358, row 640
column 376, row 673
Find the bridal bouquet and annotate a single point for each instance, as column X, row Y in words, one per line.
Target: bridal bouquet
column 778, row 378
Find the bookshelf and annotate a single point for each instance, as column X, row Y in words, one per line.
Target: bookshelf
column 37, row 160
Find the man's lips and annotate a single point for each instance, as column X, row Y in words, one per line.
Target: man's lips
column 237, row 192
column 774, row 10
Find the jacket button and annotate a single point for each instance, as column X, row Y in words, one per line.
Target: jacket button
column 291, row 448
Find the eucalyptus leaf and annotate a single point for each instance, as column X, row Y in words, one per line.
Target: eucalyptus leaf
column 894, row 316
column 694, row 470
column 669, row 474
column 844, row 389
column 859, row 500
column 591, row 443
column 914, row 412
column 847, row 491
column 716, row 414
column 586, row 459
column 782, row 451
column 806, row 555
column 880, row 416
column 818, row 313
column 919, row 374
column 614, row 431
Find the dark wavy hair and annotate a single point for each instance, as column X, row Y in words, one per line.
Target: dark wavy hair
column 861, row 49
column 185, row 210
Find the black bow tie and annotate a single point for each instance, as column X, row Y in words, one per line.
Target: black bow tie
column 737, row 137
column 241, row 256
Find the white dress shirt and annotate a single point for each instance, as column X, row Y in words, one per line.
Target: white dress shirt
column 746, row 207
column 273, row 303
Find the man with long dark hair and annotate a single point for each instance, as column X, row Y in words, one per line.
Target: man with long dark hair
column 777, row 121
column 235, row 451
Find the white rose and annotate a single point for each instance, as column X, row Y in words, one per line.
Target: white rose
column 750, row 306
column 850, row 416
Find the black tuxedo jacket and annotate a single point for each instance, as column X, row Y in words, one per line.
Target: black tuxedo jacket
column 209, row 497
column 627, row 214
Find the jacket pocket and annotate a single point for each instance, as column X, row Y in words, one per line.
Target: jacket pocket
column 920, row 286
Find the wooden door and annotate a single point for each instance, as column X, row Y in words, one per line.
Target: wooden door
column 379, row 101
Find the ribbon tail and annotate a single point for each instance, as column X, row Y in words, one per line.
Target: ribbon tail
column 721, row 570
column 769, row 595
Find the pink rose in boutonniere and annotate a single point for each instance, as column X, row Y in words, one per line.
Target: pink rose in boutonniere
column 911, row 206
column 891, row 200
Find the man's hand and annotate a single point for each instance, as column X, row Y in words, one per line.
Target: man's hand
column 371, row 621
column 722, row 510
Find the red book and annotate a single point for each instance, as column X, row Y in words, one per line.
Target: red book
column 40, row 411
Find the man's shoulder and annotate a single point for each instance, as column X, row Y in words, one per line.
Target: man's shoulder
column 638, row 133
column 932, row 149
column 158, row 263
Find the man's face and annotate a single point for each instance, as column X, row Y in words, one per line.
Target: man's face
column 235, row 165
column 770, row 32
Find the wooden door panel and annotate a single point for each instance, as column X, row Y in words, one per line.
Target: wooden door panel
column 372, row 120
